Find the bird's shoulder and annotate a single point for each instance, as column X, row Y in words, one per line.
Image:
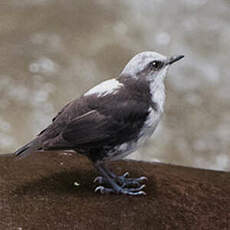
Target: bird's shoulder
column 106, row 87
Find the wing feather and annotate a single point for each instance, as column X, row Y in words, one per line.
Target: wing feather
column 109, row 125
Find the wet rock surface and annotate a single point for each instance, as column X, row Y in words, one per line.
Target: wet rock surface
column 55, row 191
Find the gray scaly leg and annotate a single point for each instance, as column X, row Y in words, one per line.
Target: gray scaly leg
column 113, row 180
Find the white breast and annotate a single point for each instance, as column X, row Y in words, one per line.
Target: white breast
column 149, row 125
column 148, row 128
column 157, row 90
column 106, row 87
column 158, row 97
column 146, row 131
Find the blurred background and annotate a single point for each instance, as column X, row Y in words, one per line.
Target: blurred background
column 52, row 51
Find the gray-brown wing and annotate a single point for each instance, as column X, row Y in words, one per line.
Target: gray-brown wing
column 117, row 123
column 90, row 127
column 55, row 118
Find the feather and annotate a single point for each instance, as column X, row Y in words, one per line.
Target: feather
column 27, row 149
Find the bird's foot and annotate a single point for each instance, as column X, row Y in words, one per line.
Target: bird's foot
column 122, row 180
column 120, row 190
column 118, row 184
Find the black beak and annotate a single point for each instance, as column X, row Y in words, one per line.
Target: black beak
column 173, row 59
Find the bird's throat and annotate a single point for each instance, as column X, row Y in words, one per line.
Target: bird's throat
column 157, row 90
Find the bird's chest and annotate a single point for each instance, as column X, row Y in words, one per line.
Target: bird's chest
column 158, row 96
column 153, row 117
column 150, row 124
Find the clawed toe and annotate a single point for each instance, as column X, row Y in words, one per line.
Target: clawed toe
column 118, row 184
column 136, row 189
column 142, row 178
column 124, row 181
column 120, row 190
column 125, row 174
column 103, row 190
column 99, row 180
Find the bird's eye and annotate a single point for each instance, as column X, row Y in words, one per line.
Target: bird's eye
column 156, row 65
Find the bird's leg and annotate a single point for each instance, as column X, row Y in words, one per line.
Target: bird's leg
column 122, row 180
column 115, row 187
column 102, row 179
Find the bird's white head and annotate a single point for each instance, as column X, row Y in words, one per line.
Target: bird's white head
column 149, row 65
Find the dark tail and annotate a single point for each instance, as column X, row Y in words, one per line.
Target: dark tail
column 27, row 149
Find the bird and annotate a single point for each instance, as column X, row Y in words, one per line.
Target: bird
column 111, row 120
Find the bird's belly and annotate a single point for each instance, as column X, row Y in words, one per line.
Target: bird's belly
column 147, row 130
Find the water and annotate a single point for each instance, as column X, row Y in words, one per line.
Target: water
column 53, row 51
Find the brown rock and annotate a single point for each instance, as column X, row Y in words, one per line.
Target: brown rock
column 39, row 193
